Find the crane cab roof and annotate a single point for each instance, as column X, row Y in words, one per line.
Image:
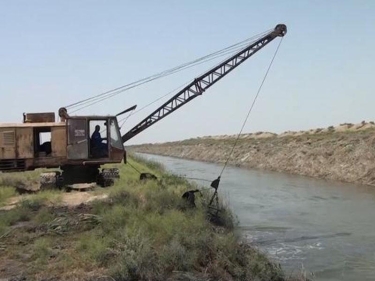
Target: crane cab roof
column 92, row 117
column 47, row 119
column 32, row 125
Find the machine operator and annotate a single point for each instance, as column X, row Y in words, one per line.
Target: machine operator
column 99, row 149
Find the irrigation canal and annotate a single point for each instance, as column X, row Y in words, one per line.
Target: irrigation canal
column 325, row 227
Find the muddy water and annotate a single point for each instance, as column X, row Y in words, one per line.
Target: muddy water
column 327, row 228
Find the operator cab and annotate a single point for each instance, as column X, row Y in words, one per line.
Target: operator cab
column 100, row 132
column 94, row 137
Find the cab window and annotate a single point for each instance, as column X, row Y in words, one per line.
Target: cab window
column 116, row 140
column 98, row 138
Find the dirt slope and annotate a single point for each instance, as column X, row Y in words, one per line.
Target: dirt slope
column 344, row 153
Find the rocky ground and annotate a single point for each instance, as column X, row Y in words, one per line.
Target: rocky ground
column 344, row 153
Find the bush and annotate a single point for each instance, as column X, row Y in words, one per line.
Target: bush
column 42, row 250
column 6, row 192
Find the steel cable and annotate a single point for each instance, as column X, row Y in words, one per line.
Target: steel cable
column 147, row 80
column 98, row 98
column 147, row 105
column 251, row 108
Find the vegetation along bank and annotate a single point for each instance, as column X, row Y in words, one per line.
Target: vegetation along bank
column 131, row 231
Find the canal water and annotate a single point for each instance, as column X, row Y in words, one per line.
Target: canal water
column 326, row 228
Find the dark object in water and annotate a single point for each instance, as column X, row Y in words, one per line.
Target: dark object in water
column 189, row 196
column 147, row 176
column 215, row 183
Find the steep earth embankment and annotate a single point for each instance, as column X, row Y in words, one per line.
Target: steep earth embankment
column 344, row 153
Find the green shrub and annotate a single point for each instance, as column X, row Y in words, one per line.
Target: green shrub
column 44, row 216
column 6, row 192
column 42, row 250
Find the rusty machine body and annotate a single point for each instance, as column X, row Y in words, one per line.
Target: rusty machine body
column 41, row 141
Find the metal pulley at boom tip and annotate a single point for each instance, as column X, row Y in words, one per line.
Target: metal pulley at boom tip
column 205, row 81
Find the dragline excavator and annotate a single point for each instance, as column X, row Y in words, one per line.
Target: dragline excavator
column 74, row 144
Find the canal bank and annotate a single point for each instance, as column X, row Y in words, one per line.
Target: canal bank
column 345, row 153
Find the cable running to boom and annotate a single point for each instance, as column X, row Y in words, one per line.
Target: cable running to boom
column 144, row 81
column 123, row 120
column 216, row 182
column 98, row 98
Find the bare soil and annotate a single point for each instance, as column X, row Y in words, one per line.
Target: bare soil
column 68, row 199
column 20, row 259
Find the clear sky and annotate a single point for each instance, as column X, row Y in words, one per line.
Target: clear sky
column 54, row 53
